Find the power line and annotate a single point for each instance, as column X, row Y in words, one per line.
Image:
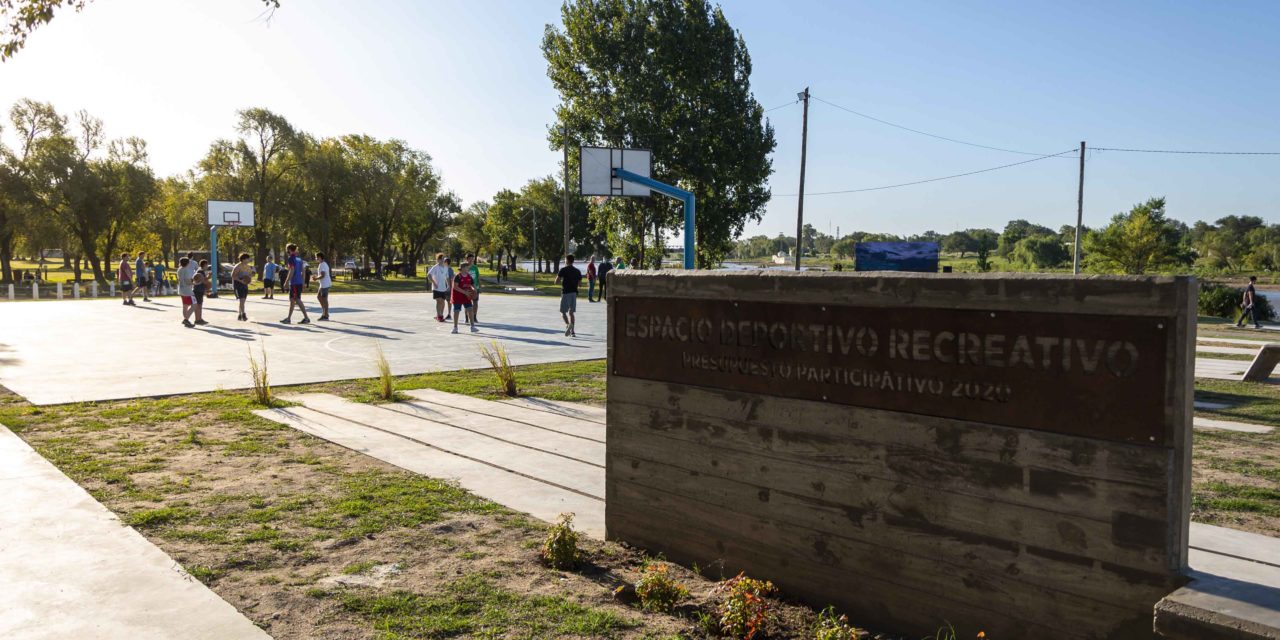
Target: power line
column 908, row 184
column 1199, row 153
column 926, row 133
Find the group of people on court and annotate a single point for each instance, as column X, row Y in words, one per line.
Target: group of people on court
column 456, row 293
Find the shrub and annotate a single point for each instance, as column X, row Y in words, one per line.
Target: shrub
column 745, row 610
column 560, row 549
column 657, row 590
column 833, row 627
column 386, row 383
column 1224, row 302
column 258, row 371
column 496, row 356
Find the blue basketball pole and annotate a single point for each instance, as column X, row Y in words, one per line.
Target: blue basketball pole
column 673, row 192
column 213, row 259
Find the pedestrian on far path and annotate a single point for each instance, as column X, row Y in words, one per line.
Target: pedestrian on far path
column 241, row 276
column 603, row 272
column 186, row 289
column 269, row 272
column 464, row 295
column 141, row 273
column 201, row 282
column 568, row 279
column 591, row 278
column 124, row 277
column 324, row 280
column 297, row 280
column 1248, row 306
column 438, row 276
column 475, row 282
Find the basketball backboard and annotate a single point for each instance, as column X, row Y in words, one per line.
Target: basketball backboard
column 597, row 165
column 224, row 213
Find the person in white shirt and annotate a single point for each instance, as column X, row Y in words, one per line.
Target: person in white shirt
column 187, row 289
column 441, row 281
column 324, row 279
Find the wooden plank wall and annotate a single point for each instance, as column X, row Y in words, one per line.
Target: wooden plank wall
column 905, row 521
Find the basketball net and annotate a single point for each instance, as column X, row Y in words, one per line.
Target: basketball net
column 599, row 200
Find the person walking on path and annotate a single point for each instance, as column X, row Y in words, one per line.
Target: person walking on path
column 438, row 276
column 591, row 278
column 568, row 279
column 187, row 289
column 464, row 295
column 124, row 276
column 201, row 282
column 324, row 280
column 1248, row 308
column 297, row 280
column 140, row 273
column 241, row 276
column 603, row 273
column 475, row 282
column 269, row 272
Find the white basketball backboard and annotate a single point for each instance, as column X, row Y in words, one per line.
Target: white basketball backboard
column 597, row 165
column 224, row 213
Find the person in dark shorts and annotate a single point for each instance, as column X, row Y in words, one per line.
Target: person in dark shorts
column 186, row 289
column 241, row 276
column 568, row 279
column 201, row 286
column 124, row 276
column 141, row 275
column 269, row 272
column 603, row 273
column 438, row 277
column 1248, row 305
column 297, row 280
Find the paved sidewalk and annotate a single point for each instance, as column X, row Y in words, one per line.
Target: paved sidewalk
column 70, row 569
column 1220, row 369
column 1243, row 427
column 538, row 457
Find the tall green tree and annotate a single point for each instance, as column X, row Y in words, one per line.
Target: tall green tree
column 389, row 179
column 1140, row 241
column 673, row 77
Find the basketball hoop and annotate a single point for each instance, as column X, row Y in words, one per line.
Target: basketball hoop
column 599, row 200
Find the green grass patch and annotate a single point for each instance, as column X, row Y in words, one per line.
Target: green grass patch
column 475, row 606
column 370, row 503
column 357, row 568
column 1225, row 356
column 1251, row 401
column 581, row 381
column 1222, row 496
column 159, row 517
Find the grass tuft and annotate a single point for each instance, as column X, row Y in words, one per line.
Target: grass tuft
column 496, row 355
column 261, row 384
column 386, row 382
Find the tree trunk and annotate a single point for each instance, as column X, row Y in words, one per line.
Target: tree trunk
column 96, row 265
column 6, row 257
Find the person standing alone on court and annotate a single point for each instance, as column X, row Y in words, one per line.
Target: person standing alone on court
column 1248, row 306
column 568, row 279
column 591, row 278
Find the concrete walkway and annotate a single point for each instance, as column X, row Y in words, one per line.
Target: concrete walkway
column 70, row 569
column 534, row 456
column 1226, row 370
column 1243, row 427
column 1234, row 592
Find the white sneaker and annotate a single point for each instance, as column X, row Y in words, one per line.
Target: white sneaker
column 455, row 330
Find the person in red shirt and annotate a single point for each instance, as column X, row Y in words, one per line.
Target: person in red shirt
column 464, row 292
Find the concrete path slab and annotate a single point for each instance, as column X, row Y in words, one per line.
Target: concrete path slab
column 70, row 351
column 1234, row 592
column 590, row 429
column 1240, row 341
column 471, row 448
column 70, row 569
column 1221, row 369
column 1243, row 427
column 1211, row 406
column 1235, row 351
column 568, row 409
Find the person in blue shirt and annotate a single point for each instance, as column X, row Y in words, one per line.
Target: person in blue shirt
column 269, row 271
column 297, row 280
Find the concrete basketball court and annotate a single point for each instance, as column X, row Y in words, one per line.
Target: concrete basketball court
column 73, row 351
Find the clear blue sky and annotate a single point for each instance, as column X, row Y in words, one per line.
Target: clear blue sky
column 466, row 82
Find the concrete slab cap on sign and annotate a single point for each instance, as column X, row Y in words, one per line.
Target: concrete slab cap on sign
column 460, row 447
column 70, row 569
column 49, row 356
column 1234, row 592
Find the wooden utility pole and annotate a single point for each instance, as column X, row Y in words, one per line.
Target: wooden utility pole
column 804, row 148
column 565, row 132
column 1075, row 264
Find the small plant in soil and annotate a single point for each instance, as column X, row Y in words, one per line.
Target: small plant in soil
column 386, row 383
column 261, row 385
column 745, row 610
column 496, row 355
column 560, row 549
column 833, row 627
column 657, row 589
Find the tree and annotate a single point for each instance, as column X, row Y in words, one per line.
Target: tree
column 960, row 242
column 428, row 216
column 1041, row 252
column 319, row 193
column 1015, row 231
column 388, row 179
column 19, row 18
column 985, row 240
column 253, row 167
column 502, row 223
column 673, row 77
column 541, row 203
column 1139, row 241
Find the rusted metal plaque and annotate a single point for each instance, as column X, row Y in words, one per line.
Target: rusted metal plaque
column 1085, row 375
